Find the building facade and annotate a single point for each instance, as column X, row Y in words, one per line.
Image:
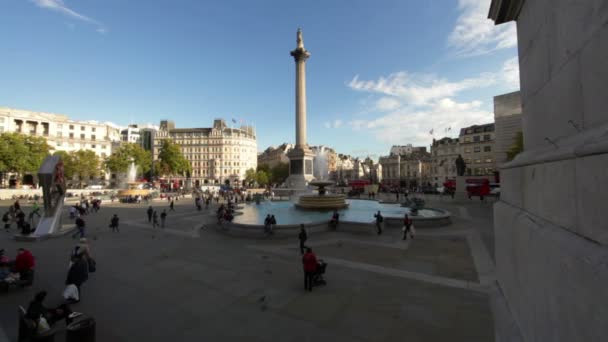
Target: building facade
column 274, row 156
column 444, row 153
column 61, row 133
column 477, row 149
column 216, row 154
column 407, row 170
column 142, row 135
column 508, row 121
column 406, row 149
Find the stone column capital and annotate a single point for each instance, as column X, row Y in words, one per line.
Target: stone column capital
column 300, row 54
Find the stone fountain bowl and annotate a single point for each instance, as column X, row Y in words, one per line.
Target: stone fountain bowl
column 320, row 183
column 323, row 202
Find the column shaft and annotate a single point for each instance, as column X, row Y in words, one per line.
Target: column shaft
column 300, row 103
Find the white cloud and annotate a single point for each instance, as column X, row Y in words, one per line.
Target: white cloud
column 413, row 104
column 59, row 6
column 474, row 34
column 336, row 124
column 510, row 73
column 417, row 89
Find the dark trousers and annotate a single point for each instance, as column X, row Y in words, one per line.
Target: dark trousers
column 379, row 227
column 405, row 232
column 308, row 279
column 80, row 231
column 149, row 217
column 302, row 247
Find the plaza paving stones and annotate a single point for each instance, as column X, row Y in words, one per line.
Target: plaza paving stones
column 186, row 283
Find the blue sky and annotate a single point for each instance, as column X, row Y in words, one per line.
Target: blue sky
column 381, row 72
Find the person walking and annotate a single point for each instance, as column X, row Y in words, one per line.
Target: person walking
column 273, row 222
column 407, row 223
column 303, row 237
column 309, row 260
column 80, row 226
column 7, row 221
column 154, row 219
column 150, row 211
column 267, row 221
column 114, row 223
column 163, row 217
column 171, row 208
column 379, row 220
column 78, row 274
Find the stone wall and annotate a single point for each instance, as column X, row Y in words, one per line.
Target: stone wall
column 551, row 231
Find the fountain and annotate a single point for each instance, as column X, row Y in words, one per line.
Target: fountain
column 131, row 187
column 322, row 200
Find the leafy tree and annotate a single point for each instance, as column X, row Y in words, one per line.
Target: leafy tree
column 279, row 173
column 517, row 147
column 20, row 153
column 85, row 164
column 250, row 176
column 171, row 161
column 121, row 158
column 262, row 178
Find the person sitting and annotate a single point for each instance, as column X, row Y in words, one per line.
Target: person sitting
column 335, row 219
column 36, row 309
column 24, row 262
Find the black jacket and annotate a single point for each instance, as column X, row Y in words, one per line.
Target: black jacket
column 78, row 273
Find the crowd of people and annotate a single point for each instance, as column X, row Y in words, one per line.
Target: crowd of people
column 16, row 214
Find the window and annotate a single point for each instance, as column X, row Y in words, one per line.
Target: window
column 476, row 138
column 467, row 150
column 487, row 137
column 71, row 126
column 477, row 161
column 488, row 160
column 82, row 128
column 92, row 129
column 93, row 146
column 82, row 137
column 71, row 135
column 103, row 147
column 93, row 137
column 59, row 134
column 477, row 149
column 467, row 139
column 487, row 148
column 59, row 126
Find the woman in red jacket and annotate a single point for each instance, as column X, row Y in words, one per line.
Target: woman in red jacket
column 310, row 267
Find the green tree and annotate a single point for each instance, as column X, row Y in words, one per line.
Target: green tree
column 121, row 158
column 171, row 161
column 517, row 147
column 20, row 153
column 262, row 178
column 279, row 173
column 250, row 176
column 85, row 164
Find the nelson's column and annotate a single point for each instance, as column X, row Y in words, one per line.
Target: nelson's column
column 300, row 157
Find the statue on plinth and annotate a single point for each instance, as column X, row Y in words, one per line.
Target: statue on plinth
column 461, row 166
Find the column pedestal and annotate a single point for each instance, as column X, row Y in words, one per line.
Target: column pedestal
column 300, row 168
column 461, row 188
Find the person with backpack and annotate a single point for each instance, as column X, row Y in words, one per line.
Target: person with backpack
column 80, row 226
column 114, row 223
column 379, row 220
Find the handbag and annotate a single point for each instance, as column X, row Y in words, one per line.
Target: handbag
column 42, row 326
column 92, row 265
column 71, row 292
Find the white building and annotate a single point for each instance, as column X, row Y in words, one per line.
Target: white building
column 406, row 149
column 216, row 154
column 61, row 133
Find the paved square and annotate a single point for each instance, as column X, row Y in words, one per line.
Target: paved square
column 186, row 283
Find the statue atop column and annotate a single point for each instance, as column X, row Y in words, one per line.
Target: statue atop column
column 300, row 41
column 461, row 166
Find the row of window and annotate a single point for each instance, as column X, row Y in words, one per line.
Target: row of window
column 477, row 138
column 71, row 127
column 61, row 144
column 477, row 149
column 71, row 136
column 479, row 160
column 204, row 172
